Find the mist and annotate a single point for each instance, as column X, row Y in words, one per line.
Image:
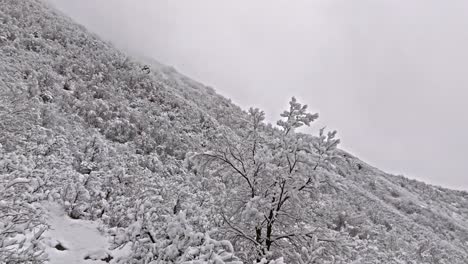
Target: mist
column 389, row 75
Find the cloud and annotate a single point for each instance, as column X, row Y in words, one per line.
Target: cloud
column 388, row 74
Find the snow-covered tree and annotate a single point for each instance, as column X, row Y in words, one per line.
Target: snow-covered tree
column 268, row 179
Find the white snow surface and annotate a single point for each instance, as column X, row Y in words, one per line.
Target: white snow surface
column 82, row 240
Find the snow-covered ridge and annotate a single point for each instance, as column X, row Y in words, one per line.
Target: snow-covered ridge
column 103, row 156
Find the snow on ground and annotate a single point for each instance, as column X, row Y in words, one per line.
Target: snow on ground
column 71, row 241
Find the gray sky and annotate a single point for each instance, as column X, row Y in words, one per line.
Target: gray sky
column 390, row 75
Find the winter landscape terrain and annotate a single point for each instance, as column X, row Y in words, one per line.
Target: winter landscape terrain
column 105, row 158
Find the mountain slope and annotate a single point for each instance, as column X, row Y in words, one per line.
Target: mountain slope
column 113, row 140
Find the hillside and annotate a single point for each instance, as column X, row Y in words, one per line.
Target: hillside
column 169, row 171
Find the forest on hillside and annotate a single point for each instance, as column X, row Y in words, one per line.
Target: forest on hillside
column 176, row 173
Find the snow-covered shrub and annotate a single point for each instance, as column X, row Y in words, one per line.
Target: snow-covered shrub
column 120, row 130
column 174, row 240
column 21, row 220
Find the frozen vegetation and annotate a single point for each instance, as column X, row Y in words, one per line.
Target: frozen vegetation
column 109, row 159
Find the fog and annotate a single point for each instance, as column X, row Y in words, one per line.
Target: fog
column 389, row 75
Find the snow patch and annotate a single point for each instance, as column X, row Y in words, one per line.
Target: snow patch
column 73, row 241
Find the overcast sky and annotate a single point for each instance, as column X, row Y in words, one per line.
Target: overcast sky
column 390, row 75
